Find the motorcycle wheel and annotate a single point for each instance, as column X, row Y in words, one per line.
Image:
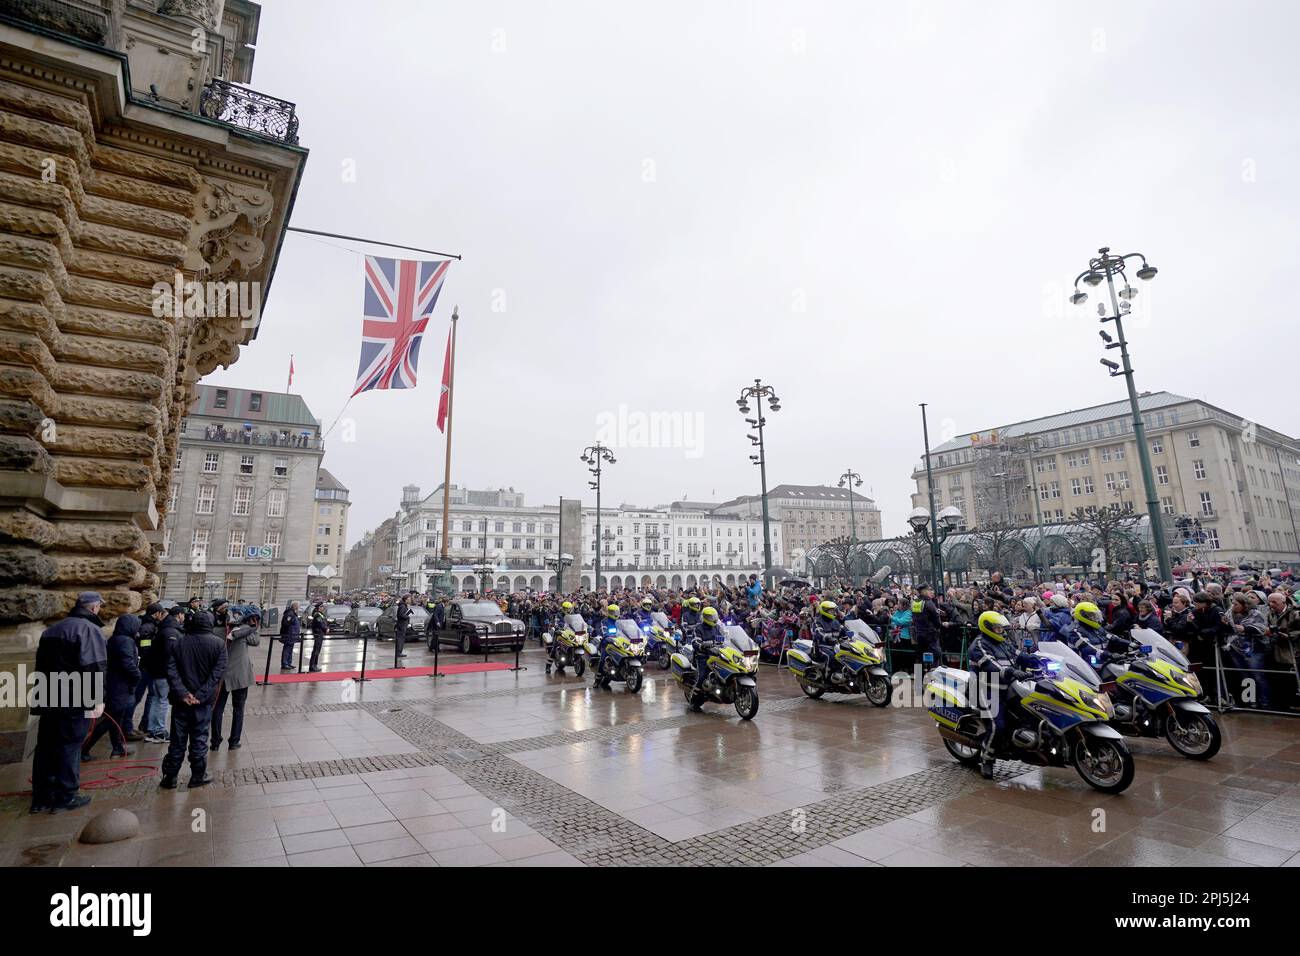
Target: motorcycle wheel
column 965, row 755
column 1109, row 770
column 633, row 683
column 1196, row 736
column 692, row 699
column 665, row 658
column 879, row 691
column 746, row 702
column 579, row 667
column 812, row 690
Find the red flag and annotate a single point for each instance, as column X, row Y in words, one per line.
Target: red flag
column 445, row 396
column 290, row 385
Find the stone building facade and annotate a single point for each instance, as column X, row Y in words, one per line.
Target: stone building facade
column 329, row 532
column 244, row 478
column 127, row 156
column 810, row 515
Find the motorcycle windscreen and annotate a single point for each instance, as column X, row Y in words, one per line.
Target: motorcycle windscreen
column 660, row 618
column 575, row 623
column 1161, row 649
column 738, row 639
column 627, row 628
column 862, row 631
column 1072, row 665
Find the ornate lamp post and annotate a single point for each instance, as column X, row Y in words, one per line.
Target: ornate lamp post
column 935, row 529
column 1105, row 267
column 558, row 563
column 758, row 391
column 594, row 456
column 850, row 480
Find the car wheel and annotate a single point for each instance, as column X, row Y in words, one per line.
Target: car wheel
column 466, row 645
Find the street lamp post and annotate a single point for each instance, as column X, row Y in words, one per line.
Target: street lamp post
column 758, row 391
column 850, row 480
column 594, row 456
column 1104, row 268
column 936, row 553
column 559, row 562
column 935, row 529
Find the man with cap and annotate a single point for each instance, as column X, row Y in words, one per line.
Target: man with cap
column 194, row 670
column 66, row 653
column 169, row 632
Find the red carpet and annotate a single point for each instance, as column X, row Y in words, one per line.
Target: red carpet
column 383, row 673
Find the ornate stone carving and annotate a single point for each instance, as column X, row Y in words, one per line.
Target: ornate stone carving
column 225, row 241
column 206, row 12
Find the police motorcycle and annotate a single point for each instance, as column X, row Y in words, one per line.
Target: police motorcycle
column 1157, row 695
column 732, row 675
column 858, row 668
column 569, row 646
column 662, row 639
column 624, row 655
column 1057, row 716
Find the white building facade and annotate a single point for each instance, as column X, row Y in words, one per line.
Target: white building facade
column 666, row 547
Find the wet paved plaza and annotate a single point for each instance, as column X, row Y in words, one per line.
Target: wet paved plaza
column 521, row 769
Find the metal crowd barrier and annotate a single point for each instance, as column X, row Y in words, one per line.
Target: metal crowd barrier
column 1286, row 686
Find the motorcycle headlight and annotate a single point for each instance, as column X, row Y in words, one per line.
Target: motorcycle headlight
column 1194, row 682
column 1103, row 703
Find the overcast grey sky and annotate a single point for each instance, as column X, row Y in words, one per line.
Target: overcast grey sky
column 869, row 205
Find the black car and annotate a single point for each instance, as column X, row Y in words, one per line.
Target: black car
column 473, row 626
column 386, row 626
column 338, row 615
column 360, row 622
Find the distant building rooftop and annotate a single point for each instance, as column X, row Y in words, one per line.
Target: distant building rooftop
column 253, row 406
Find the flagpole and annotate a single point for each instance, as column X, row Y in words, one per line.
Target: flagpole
column 446, row 480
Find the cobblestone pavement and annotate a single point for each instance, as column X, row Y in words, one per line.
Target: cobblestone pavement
column 520, row 768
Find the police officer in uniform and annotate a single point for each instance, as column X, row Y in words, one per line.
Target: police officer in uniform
column 707, row 637
column 73, row 647
column 993, row 655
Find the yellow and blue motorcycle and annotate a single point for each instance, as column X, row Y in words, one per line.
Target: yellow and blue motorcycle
column 662, row 639
column 859, row 666
column 1053, row 719
column 731, row 677
column 624, row 658
column 1157, row 694
column 569, row 646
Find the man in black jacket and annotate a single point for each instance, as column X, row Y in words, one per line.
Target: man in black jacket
column 320, row 626
column 925, row 627
column 194, row 670
column 402, row 620
column 68, row 653
column 144, row 641
column 119, row 699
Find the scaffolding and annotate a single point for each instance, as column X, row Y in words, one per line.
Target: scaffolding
column 1000, row 479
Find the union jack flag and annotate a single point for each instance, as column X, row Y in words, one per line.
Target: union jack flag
column 400, row 296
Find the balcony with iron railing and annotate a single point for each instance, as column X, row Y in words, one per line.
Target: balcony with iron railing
column 220, row 100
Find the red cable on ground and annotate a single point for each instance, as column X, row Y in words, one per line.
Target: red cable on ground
column 110, row 771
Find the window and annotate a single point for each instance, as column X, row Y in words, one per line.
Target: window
column 167, row 542
column 1105, row 454
column 211, row 462
column 243, row 502
column 1123, row 481
column 324, row 511
column 1110, row 481
column 255, row 402
column 206, row 502
column 532, row 527
column 323, row 530
column 516, row 543
column 1207, row 504
column 517, row 527
column 1157, row 446
column 498, row 527
column 245, row 464
column 171, row 496
column 464, row 543
column 275, row 503
column 1119, row 452
column 547, row 544
column 467, row 526
column 1193, row 440
column 199, row 543
column 236, row 549
column 1167, row 505
column 1212, row 538
column 179, row 454
column 223, row 397
column 1056, row 489
column 530, row 544
column 1198, row 468
column 498, row 543
column 281, row 469
column 273, row 541
column 1076, row 486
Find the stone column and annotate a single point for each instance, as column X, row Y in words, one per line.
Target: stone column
column 100, row 200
